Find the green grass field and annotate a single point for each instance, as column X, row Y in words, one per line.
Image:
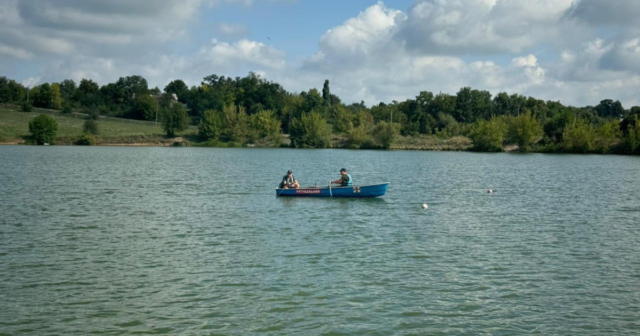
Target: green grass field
column 14, row 126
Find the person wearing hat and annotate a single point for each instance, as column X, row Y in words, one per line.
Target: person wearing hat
column 288, row 181
column 345, row 179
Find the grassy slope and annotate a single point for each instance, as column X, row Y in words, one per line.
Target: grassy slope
column 14, row 126
column 432, row 143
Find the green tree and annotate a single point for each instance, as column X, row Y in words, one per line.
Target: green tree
column 631, row 143
column 447, row 125
column 359, row 137
column 210, row 126
column 86, row 139
column 312, row 100
column 607, row 136
column 174, row 119
column 326, row 93
column 56, row 98
column 11, row 91
column 524, row 130
column 66, row 108
column 26, row 107
column 385, row 133
column 133, row 87
column 90, row 127
column 309, row 131
column 341, row 118
column 502, row 104
column 144, row 108
column 236, row 123
column 42, row 96
column 472, row 105
column 442, row 103
column 68, row 90
column 88, row 93
column 609, row 109
column 264, row 124
column 578, row 137
column 43, row 129
column 488, row 136
column 179, row 88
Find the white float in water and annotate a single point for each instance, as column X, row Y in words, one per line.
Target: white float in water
column 425, row 206
column 490, row 191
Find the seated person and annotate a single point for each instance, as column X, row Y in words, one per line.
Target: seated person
column 288, row 181
column 344, row 180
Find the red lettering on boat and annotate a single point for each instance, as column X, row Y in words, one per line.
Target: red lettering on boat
column 308, row 191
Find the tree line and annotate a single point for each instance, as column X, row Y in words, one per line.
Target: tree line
column 249, row 109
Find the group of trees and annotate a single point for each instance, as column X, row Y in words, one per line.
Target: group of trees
column 246, row 109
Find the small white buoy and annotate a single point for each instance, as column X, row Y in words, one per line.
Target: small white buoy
column 490, row 191
column 425, row 206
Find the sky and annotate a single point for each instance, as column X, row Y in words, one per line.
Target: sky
column 574, row 51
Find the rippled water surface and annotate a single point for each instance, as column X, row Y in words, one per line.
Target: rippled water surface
column 193, row 241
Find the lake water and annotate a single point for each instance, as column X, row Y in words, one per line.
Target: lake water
column 193, row 241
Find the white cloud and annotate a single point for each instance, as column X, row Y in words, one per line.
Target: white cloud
column 622, row 55
column 481, row 26
column 525, row 61
column 15, row 52
column 233, row 29
column 549, row 49
column 384, row 54
column 621, row 13
column 360, row 34
column 31, row 81
column 242, row 53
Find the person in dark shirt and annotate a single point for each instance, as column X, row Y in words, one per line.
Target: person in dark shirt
column 288, row 181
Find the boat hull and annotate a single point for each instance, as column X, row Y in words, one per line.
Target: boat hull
column 368, row 191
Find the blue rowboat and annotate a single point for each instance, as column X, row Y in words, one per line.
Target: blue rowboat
column 367, row 191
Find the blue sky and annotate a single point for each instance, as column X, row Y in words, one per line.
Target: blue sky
column 293, row 27
column 575, row 51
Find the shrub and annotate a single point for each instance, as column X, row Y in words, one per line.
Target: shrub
column 358, row 137
column 174, row 119
column 309, row 131
column 210, row 126
column 384, row 134
column 90, row 127
column 235, row 121
column 607, row 136
column 631, row 143
column 264, row 124
column 144, row 108
column 488, row 136
column 86, row 140
column 91, row 112
column 66, row 108
column 43, row 129
column 524, row 130
column 578, row 137
column 26, row 107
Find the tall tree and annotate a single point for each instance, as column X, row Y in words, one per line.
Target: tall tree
column 11, row 91
column 133, row 86
column 68, row 90
column 174, row 120
column 88, row 93
column 524, row 130
column 312, row 100
column 144, row 108
column 42, row 96
column 179, row 88
column 56, row 98
column 326, row 93
column 609, row 109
